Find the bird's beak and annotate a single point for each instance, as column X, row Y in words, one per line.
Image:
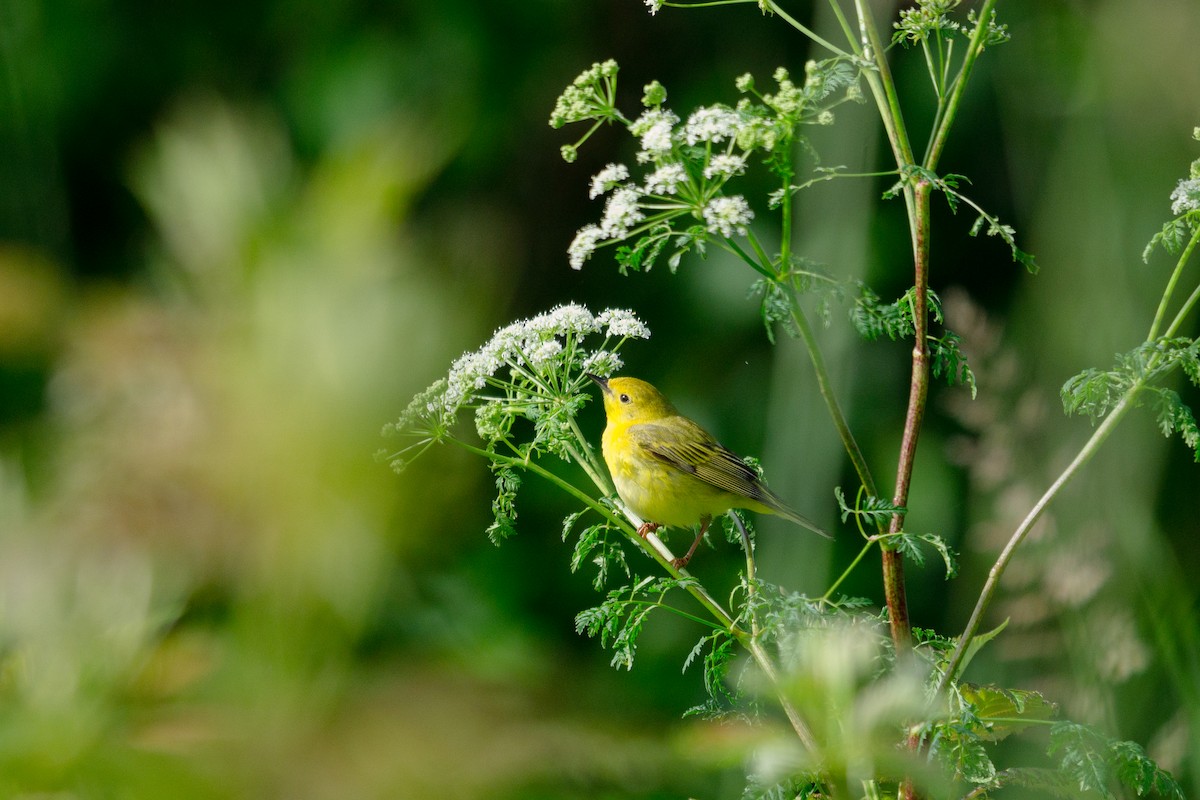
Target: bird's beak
column 601, row 382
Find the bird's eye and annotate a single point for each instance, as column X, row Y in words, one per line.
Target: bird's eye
column 624, row 398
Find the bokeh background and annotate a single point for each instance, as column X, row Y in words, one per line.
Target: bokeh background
column 235, row 238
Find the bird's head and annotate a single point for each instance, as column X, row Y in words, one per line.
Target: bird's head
column 631, row 401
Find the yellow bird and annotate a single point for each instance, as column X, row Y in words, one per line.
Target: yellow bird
column 670, row 471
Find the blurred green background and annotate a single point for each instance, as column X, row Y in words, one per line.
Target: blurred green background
column 235, row 238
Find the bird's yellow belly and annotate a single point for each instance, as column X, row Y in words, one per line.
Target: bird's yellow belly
column 661, row 494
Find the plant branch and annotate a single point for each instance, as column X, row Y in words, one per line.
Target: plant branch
column 1184, row 257
column 831, row 401
column 938, row 141
column 658, row 551
column 893, row 560
column 768, row 667
column 1085, row 454
column 809, row 32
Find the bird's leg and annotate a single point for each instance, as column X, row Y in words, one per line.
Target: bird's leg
column 680, row 563
column 648, row 528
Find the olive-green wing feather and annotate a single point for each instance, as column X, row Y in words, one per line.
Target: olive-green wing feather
column 689, row 448
column 686, row 446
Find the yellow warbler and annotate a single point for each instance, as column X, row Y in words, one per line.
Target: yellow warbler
column 670, row 471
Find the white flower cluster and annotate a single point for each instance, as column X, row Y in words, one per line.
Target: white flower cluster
column 689, row 162
column 520, row 356
column 656, row 128
column 713, row 124
column 725, row 166
column 1186, row 196
column 584, row 99
column 607, row 178
column 728, row 216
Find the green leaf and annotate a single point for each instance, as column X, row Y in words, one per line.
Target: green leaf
column 619, row 620
column 873, row 319
column 641, row 256
column 504, row 510
column 1095, row 762
column 950, row 362
column 1005, row 711
column 1081, row 754
column 775, row 308
column 977, row 644
column 1050, row 781
column 1095, row 392
column 910, row 545
column 601, row 544
column 1009, row 235
column 871, row 509
column 1172, row 238
column 964, row 754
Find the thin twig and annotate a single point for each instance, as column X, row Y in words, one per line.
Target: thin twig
column 1085, row 454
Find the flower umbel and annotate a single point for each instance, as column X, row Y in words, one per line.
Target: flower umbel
column 534, row 370
column 681, row 201
column 1186, row 196
column 728, row 216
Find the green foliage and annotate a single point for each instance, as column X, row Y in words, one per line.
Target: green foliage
column 619, row 620
column 1007, row 234
column 1099, row 764
column 1094, row 393
column 719, row 650
column 600, row 544
column 830, row 664
column 910, row 545
column 1173, row 236
column 950, row 362
column 504, row 506
column 876, row 511
column 874, row 319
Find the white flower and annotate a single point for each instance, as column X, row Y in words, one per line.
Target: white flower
column 544, row 353
column 654, row 6
column 580, row 100
column 1186, row 196
column 622, row 323
column 655, row 127
column 569, row 318
column 727, row 216
column 713, row 124
column 602, row 362
column 584, row 244
column 607, row 178
column 621, row 213
column 725, row 165
column 666, row 178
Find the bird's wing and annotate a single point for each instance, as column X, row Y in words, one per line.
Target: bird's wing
column 686, row 446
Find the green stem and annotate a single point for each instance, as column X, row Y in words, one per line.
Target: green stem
column 751, row 573
column 1085, row 454
column 938, row 141
column 663, row 557
column 774, row 8
column 883, row 88
column 587, row 460
column 793, row 714
column 831, row 401
column 861, row 554
column 893, row 560
column 1166, row 298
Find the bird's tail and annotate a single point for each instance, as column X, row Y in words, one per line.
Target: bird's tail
column 803, row 521
column 782, row 509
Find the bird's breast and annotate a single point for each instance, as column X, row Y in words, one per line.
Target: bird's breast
column 657, row 491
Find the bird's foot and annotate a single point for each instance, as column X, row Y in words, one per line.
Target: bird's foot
column 680, row 563
column 648, row 528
